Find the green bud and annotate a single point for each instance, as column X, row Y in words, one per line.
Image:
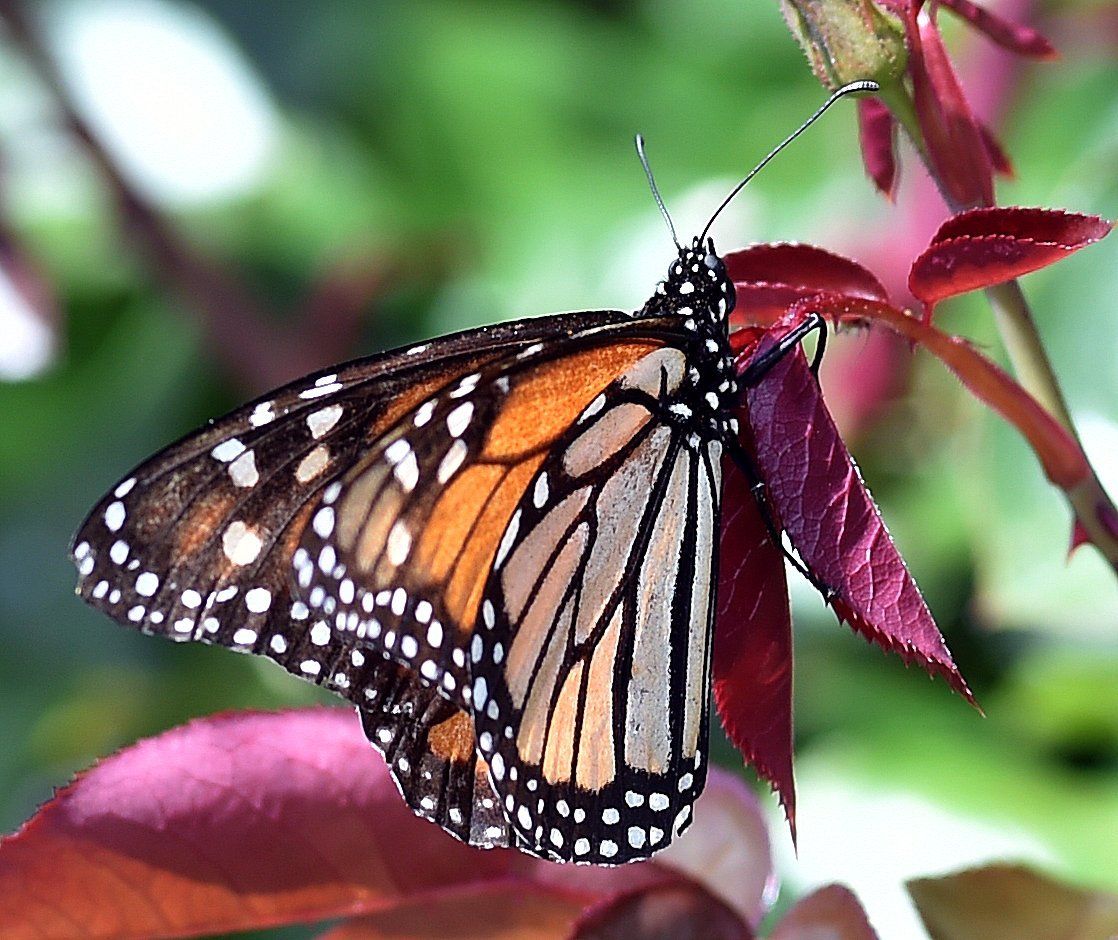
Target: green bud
column 846, row 40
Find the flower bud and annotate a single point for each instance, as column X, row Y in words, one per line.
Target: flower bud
column 847, row 40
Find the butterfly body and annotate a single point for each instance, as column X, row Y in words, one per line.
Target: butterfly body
column 501, row 546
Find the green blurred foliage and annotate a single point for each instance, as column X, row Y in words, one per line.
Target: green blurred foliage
column 485, row 148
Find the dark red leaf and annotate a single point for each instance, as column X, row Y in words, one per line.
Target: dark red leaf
column 1016, row 38
column 833, row 522
column 831, row 912
column 878, row 138
column 951, row 135
column 753, row 642
column 683, row 911
column 982, row 247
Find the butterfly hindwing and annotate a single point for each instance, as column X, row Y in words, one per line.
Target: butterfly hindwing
column 591, row 666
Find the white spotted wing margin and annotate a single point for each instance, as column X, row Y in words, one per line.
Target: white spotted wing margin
column 591, row 668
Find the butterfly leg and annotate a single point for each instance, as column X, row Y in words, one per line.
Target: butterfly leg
column 759, row 490
column 762, row 365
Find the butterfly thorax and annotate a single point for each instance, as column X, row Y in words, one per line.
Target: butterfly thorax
column 701, row 294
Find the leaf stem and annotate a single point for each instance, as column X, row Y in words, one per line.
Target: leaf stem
column 1094, row 511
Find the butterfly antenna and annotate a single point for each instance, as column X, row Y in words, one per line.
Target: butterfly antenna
column 849, row 89
column 655, row 191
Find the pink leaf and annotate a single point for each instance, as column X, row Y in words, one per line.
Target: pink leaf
column 833, row 522
column 1012, row 36
column 983, row 247
column 753, row 642
column 831, row 912
column 245, row 821
column 237, row 822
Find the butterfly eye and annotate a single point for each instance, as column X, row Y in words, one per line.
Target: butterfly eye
column 713, row 262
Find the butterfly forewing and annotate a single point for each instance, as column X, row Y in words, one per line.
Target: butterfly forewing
column 499, row 545
column 591, row 664
column 398, row 552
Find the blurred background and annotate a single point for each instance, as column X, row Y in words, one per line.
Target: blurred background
column 200, row 200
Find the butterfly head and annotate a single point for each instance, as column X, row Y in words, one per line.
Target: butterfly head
column 697, row 286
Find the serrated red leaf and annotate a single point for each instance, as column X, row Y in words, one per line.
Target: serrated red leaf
column 806, row 268
column 878, row 139
column 753, row 642
column 1015, row 37
column 833, row 521
column 771, row 278
column 983, row 247
column 245, row 821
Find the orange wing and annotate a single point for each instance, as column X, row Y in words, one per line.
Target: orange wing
column 398, row 553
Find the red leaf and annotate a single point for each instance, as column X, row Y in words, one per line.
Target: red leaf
column 1013, row 36
column 769, row 278
column 999, row 159
column 246, row 821
column 753, row 641
column 833, row 522
column 877, row 135
column 832, row 912
column 983, row 247
column 952, row 138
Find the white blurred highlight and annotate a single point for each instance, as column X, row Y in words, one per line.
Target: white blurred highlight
column 168, row 95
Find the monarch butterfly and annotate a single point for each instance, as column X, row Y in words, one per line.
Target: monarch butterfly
column 500, row 545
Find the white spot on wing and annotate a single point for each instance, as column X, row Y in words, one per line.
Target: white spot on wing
column 147, row 584
column 241, row 543
column 322, row 421
column 258, row 600
column 242, row 471
column 262, row 414
column 114, row 516
column 453, row 459
column 459, row 419
column 399, row 543
column 228, row 450
column 313, row 464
